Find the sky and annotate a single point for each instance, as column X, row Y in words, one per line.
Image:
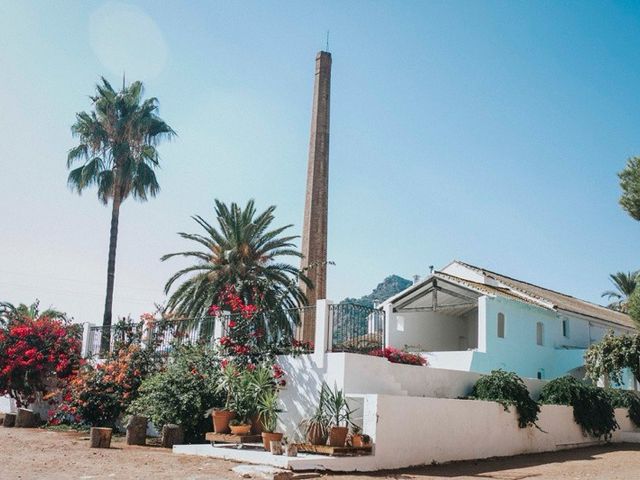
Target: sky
column 489, row 132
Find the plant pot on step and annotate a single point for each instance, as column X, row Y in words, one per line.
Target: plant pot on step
column 221, row 419
column 338, row 436
column 360, row 440
column 317, row 434
column 243, row 429
column 268, row 437
column 256, row 425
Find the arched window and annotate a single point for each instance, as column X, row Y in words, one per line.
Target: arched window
column 540, row 333
column 500, row 325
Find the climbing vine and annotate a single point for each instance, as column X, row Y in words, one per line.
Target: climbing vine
column 509, row 390
column 592, row 406
column 626, row 399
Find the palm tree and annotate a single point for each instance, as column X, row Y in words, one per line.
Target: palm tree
column 8, row 312
column 117, row 153
column 241, row 252
column 625, row 284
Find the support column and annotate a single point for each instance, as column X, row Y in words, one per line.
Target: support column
column 322, row 340
column 86, row 339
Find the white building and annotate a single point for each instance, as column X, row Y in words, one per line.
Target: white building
column 469, row 318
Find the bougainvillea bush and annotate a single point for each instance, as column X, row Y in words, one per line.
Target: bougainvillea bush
column 37, row 356
column 183, row 391
column 100, row 394
column 399, row 356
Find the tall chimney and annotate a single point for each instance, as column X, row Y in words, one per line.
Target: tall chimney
column 314, row 230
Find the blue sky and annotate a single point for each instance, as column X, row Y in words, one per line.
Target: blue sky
column 489, row 132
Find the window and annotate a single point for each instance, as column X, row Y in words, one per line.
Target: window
column 541, row 374
column 501, row 325
column 400, row 324
column 565, row 327
column 540, row 333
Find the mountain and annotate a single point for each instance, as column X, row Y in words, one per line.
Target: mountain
column 387, row 288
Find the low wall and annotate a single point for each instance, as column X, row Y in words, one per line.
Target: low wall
column 413, row 431
column 364, row 374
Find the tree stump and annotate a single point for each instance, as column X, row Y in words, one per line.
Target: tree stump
column 100, row 437
column 26, row 418
column 137, row 430
column 172, row 435
column 9, row 420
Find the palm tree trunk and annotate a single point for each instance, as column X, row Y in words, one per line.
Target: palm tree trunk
column 111, row 272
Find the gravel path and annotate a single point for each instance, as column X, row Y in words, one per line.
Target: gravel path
column 40, row 454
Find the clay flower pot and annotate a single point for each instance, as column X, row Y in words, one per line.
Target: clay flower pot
column 268, row 437
column 221, row 419
column 256, row 425
column 316, row 435
column 240, row 429
column 338, row 436
column 357, row 440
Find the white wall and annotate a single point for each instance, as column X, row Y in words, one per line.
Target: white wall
column 414, row 431
column 432, row 331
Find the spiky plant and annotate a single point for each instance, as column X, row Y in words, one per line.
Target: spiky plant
column 624, row 284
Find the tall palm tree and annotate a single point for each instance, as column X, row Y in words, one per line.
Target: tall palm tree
column 117, row 153
column 625, row 284
column 244, row 253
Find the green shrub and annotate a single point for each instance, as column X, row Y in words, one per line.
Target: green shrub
column 508, row 389
column 592, row 406
column 183, row 392
column 626, row 399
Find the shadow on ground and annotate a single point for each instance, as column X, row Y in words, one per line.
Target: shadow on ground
column 503, row 468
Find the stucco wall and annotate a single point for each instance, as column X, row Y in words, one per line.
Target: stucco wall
column 413, row 431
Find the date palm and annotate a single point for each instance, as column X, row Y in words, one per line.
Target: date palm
column 117, row 154
column 243, row 252
column 625, row 284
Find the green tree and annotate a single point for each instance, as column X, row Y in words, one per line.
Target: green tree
column 633, row 307
column 10, row 311
column 241, row 252
column 630, row 184
column 117, row 154
column 624, row 284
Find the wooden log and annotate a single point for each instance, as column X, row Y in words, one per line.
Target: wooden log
column 172, row 435
column 26, row 418
column 100, row 437
column 137, row 430
column 9, row 420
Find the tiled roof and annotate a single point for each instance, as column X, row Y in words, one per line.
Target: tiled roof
column 559, row 301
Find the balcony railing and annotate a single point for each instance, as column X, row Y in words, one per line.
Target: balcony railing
column 356, row 328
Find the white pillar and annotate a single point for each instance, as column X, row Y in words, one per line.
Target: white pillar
column 219, row 327
column 323, row 331
column 482, row 324
column 86, row 339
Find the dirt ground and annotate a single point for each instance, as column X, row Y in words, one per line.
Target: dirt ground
column 40, row 454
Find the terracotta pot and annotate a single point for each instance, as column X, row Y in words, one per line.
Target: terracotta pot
column 317, row 435
column 338, row 436
column 241, row 429
column 357, row 440
column 221, row 419
column 268, row 437
column 256, row 425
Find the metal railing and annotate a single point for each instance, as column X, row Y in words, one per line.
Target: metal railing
column 280, row 330
column 356, row 328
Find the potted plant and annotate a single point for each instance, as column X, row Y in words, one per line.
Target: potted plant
column 316, row 427
column 222, row 417
column 359, row 439
column 240, row 426
column 339, row 415
column 268, row 411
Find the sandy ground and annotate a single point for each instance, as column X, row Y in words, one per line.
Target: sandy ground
column 39, row 454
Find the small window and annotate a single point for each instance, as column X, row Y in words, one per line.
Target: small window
column 565, row 328
column 400, row 324
column 501, row 325
column 540, row 333
column 541, row 374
